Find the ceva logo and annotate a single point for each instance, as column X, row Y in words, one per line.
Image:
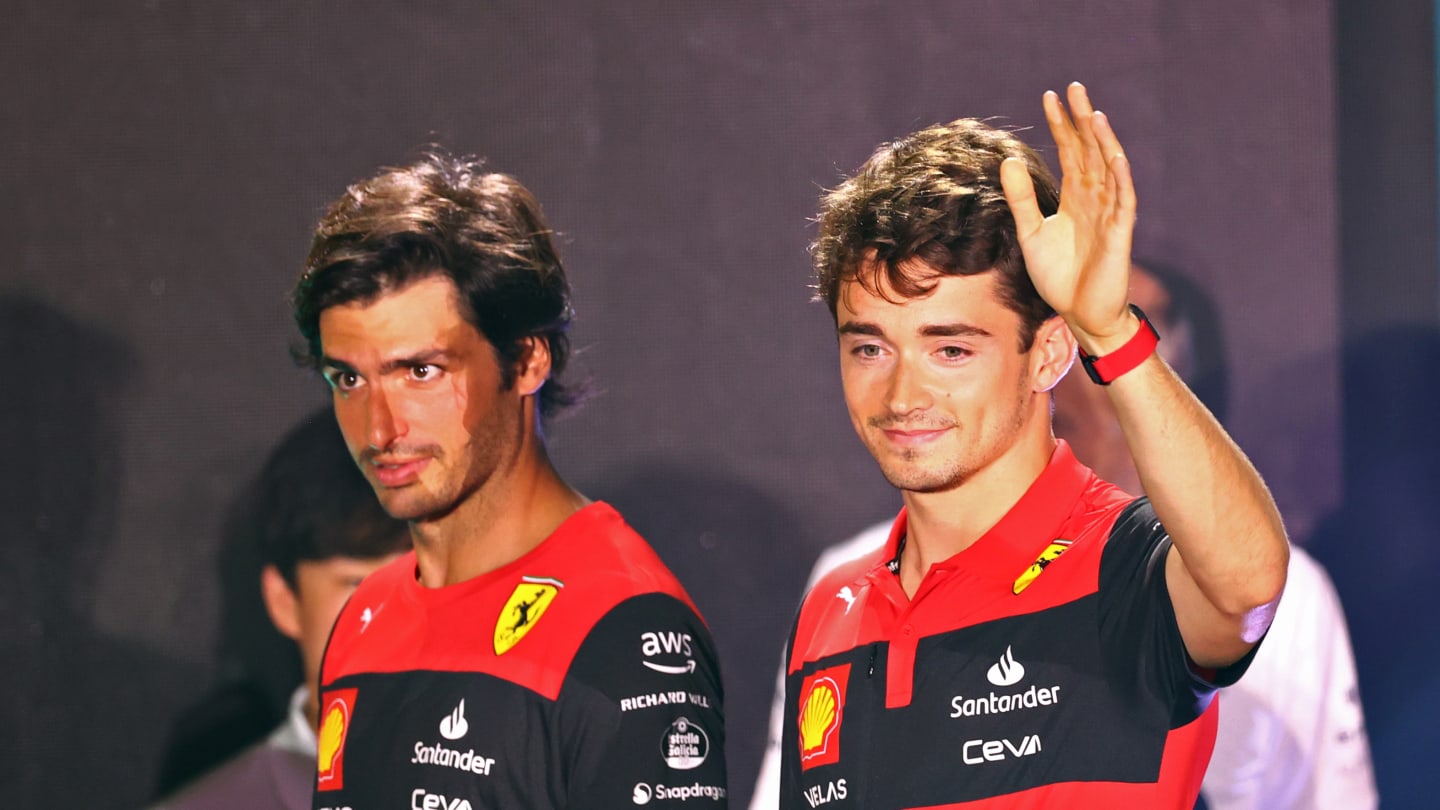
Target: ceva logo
column 1007, row 671
column 422, row 800
column 976, row 752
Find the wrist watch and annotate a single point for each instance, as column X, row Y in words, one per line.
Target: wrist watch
column 1104, row 370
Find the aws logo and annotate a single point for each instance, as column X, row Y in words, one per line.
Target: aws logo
column 337, row 710
column 822, row 709
column 671, row 644
column 523, row 610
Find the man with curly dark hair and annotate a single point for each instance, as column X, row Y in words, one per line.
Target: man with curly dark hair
column 1029, row 635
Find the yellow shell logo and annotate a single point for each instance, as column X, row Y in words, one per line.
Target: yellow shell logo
column 523, row 610
column 332, row 735
column 819, row 716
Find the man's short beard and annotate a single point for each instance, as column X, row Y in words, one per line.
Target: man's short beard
column 909, row 480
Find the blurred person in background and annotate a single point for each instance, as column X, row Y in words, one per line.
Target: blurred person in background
column 320, row 531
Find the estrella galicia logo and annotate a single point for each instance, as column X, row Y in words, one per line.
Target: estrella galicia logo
column 1007, row 671
column 685, row 745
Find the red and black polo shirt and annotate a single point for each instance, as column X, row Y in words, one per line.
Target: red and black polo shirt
column 1040, row 667
column 579, row 676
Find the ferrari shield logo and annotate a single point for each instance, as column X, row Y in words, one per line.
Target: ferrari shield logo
column 1049, row 555
column 525, row 607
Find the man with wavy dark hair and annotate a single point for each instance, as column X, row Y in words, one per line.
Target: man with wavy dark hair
column 442, row 217
column 1029, row 635
column 532, row 650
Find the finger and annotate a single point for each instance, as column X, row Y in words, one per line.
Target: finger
column 1125, row 199
column 1083, row 113
column 1117, row 166
column 1068, row 147
column 1020, row 195
column 1105, row 138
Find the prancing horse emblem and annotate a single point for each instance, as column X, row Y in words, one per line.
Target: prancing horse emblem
column 525, row 607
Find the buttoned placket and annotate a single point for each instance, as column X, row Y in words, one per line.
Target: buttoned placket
column 900, row 631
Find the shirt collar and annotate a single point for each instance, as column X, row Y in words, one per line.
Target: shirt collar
column 1024, row 531
column 296, row 734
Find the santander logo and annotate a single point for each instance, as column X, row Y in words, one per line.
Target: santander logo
column 1007, row 671
column 454, row 725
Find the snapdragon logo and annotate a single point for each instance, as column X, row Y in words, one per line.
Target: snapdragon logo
column 644, row 793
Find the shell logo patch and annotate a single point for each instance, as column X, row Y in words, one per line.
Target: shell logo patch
column 822, row 709
column 525, row 607
column 1049, row 555
column 338, row 706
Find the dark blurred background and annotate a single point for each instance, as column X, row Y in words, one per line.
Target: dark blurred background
column 164, row 162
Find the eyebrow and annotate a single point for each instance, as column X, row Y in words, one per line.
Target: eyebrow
column 328, row 362
column 953, row 330
column 860, row 328
column 394, row 364
column 930, row 330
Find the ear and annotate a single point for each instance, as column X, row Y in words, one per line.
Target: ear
column 534, row 368
column 1052, row 354
column 281, row 602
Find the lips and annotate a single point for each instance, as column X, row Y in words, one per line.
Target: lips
column 913, row 438
column 398, row 473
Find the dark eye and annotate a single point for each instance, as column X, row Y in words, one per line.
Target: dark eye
column 342, row 380
column 424, row 371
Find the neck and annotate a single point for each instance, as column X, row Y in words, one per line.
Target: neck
column 507, row 517
column 312, row 706
column 940, row 525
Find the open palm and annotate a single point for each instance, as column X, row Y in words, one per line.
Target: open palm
column 1079, row 257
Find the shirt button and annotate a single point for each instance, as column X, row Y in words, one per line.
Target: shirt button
column 908, row 630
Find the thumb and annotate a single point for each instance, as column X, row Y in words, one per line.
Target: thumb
column 1020, row 194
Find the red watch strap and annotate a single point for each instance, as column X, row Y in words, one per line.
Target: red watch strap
column 1104, row 370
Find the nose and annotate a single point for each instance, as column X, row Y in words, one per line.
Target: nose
column 382, row 426
column 907, row 390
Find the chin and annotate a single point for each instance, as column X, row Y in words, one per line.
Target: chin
column 418, row 510
column 400, row 507
column 911, row 479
